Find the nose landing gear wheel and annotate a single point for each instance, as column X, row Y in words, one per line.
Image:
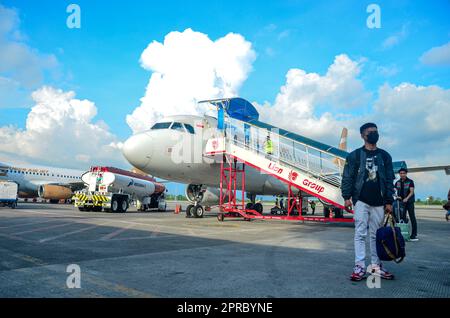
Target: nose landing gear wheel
column 249, row 206
column 198, row 211
column 258, row 208
column 188, row 210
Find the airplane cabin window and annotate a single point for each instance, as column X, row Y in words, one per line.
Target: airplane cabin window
column 189, row 128
column 177, row 126
column 161, row 126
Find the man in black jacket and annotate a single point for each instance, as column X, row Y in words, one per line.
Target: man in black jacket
column 367, row 184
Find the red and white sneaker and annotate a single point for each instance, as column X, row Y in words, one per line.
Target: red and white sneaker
column 378, row 270
column 358, row 273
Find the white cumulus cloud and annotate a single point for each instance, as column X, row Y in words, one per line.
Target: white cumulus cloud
column 296, row 104
column 60, row 130
column 188, row 66
column 412, row 119
column 439, row 55
column 22, row 68
column 415, row 121
column 407, row 114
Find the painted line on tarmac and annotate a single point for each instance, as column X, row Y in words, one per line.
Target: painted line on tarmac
column 151, row 237
column 43, row 228
column 26, row 224
column 15, row 238
column 116, row 233
column 73, row 232
column 58, row 214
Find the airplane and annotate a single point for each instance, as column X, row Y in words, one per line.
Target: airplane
column 48, row 183
column 173, row 149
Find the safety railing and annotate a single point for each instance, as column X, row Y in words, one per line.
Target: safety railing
column 317, row 163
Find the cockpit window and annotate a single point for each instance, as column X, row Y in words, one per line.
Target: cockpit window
column 161, row 126
column 189, row 128
column 177, row 126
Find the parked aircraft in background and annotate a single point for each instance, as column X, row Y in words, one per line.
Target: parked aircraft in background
column 49, row 183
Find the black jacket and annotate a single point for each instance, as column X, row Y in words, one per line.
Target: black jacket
column 353, row 176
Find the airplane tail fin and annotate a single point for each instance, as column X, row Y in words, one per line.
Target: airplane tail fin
column 343, row 141
column 342, row 146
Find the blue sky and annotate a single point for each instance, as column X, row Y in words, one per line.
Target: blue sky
column 114, row 34
column 100, row 61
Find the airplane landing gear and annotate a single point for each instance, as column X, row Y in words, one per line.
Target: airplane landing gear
column 258, row 207
column 188, row 210
column 196, row 209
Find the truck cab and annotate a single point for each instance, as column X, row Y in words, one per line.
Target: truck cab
column 9, row 191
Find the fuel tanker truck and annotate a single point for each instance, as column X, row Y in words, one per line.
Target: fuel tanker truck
column 114, row 190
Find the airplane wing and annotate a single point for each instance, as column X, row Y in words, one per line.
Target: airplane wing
column 446, row 168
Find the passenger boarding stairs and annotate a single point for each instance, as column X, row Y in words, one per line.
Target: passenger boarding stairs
column 305, row 164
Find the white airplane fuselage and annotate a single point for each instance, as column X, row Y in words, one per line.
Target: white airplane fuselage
column 177, row 155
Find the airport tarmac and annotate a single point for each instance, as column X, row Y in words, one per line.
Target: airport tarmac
column 161, row 254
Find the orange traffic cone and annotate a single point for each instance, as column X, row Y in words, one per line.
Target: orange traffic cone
column 177, row 208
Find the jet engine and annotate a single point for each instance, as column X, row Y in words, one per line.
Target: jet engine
column 54, row 192
column 205, row 196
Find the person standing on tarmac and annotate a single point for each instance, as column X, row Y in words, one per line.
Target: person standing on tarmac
column 405, row 191
column 313, row 206
column 368, row 184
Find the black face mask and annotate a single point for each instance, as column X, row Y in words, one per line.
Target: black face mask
column 372, row 137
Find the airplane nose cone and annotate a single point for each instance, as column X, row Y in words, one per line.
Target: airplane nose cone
column 138, row 150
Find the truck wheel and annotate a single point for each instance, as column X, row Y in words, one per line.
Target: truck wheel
column 198, row 211
column 188, row 210
column 249, row 206
column 124, row 206
column 258, row 208
column 115, row 205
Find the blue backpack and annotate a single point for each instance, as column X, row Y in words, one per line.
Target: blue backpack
column 390, row 242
